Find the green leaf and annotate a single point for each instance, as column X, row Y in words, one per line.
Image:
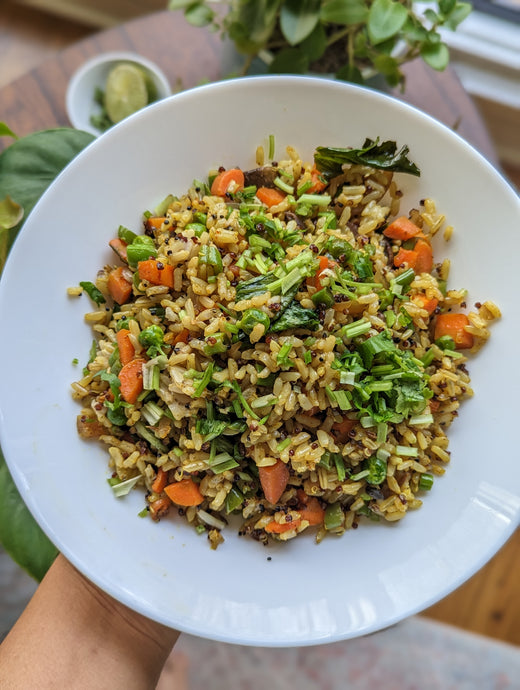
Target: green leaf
column 385, row 19
column 289, row 61
column 350, row 73
column 11, row 213
column 388, row 66
column 251, row 23
column 20, row 535
column 30, row 164
column 458, row 15
column 431, row 15
column 315, row 44
column 436, row 55
column 383, row 156
column 198, row 14
column 446, row 6
column 6, row 131
column 298, row 19
column 344, row 12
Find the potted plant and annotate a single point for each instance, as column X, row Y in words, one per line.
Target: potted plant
column 350, row 39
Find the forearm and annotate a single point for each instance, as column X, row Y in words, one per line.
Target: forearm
column 72, row 635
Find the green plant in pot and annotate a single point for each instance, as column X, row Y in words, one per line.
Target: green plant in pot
column 350, row 39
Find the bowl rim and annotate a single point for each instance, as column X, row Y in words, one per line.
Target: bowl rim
column 443, row 591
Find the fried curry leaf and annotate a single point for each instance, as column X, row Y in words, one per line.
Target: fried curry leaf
column 383, row 156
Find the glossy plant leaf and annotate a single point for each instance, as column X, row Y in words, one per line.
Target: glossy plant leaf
column 298, row 19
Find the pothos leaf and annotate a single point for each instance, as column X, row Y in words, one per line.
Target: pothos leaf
column 30, row 164
column 20, row 535
column 383, row 156
column 298, row 19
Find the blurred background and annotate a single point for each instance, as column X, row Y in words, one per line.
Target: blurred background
column 485, row 53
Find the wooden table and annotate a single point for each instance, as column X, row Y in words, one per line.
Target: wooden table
column 189, row 56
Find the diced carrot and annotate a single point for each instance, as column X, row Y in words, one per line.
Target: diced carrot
column 119, row 246
column 273, row 479
column 401, row 229
column 274, row 527
column 310, row 509
column 228, row 180
column 324, row 264
column 131, row 377
column 160, row 507
column 155, row 272
column 454, row 325
column 341, row 430
column 429, row 305
column 182, row 337
column 118, row 286
column 270, row 196
column 184, row 493
column 405, row 256
column 424, row 261
column 160, row 481
column 318, row 185
column 126, row 349
column 154, row 222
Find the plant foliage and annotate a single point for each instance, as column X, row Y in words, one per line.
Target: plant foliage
column 353, row 39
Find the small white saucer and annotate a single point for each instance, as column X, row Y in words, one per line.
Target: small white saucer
column 80, row 102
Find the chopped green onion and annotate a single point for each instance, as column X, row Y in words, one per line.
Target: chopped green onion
column 307, row 357
column 352, row 330
column 425, row 481
column 340, row 466
column 284, row 186
column 426, row 418
column 315, row 199
column 405, row 278
column 406, row 451
column 282, row 358
column 270, row 155
column 359, row 475
column 347, row 378
column 283, row 444
column 206, row 378
column 382, row 431
column 152, row 412
column 304, row 187
column 264, row 401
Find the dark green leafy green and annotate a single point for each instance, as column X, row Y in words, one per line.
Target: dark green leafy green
column 93, row 292
column 383, row 156
column 296, row 316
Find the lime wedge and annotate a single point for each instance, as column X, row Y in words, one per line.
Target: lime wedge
column 125, row 91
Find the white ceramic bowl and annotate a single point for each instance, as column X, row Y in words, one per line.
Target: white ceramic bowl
column 79, row 99
column 305, row 594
